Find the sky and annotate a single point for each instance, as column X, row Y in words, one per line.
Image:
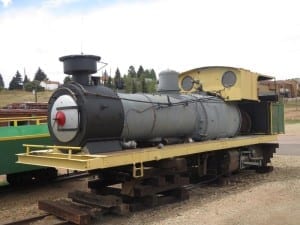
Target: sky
column 260, row 35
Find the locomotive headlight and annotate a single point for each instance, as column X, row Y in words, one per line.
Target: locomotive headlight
column 60, row 118
column 65, row 118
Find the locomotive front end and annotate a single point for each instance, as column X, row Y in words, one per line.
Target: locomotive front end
column 80, row 112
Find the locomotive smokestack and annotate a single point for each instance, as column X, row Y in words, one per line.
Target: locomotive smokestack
column 80, row 67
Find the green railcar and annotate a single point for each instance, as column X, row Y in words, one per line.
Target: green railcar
column 14, row 132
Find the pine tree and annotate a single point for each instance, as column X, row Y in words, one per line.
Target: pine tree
column 151, row 86
column 152, row 74
column 119, row 82
column 117, row 74
column 134, row 87
column 127, row 84
column 144, row 86
column 140, row 72
column 40, row 75
column 26, row 80
column 1, row 82
column 104, row 78
column 19, row 79
column 109, row 82
column 67, row 79
column 132, row 72
column 16, row 82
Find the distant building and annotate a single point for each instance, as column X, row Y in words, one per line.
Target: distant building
column 49, row 85
column 286, row 88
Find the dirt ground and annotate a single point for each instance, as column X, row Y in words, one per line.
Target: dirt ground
column 250, row 198
column 292, row 113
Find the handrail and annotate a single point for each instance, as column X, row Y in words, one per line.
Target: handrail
column 15, row 120
column 56, row 148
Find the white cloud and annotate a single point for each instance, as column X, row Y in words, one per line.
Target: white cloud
column 6, row 3
column 181, row 35
column 56, row 3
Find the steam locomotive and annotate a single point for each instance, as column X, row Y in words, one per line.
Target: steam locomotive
column 100, row 120
column 216, row 118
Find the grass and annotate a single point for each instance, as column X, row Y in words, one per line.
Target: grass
column 291, row 114
column 8, row 97
column 292, row 105
column 287, row 121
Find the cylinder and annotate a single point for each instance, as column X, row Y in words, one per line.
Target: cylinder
column 145, row 119
column 168, row 82
column 80, row 67
column 201, row 117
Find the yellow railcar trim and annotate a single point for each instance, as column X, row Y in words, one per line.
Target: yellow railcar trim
column 83, row 162
column 12, row 138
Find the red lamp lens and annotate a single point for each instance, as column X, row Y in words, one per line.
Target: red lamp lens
column 60, row 118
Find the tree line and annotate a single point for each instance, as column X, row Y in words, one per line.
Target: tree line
column 19, row 83
column 142, row 80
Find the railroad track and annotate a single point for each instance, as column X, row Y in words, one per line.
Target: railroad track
column 61, row 178
column 49, row 219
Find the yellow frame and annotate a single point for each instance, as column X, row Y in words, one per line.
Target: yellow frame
column 54, row 158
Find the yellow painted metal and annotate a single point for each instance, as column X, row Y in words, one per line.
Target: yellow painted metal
column 24, row 137
column 138, row 170
column 82, row 162
column 55, row 148
column 210, row 78
column 15, row 120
